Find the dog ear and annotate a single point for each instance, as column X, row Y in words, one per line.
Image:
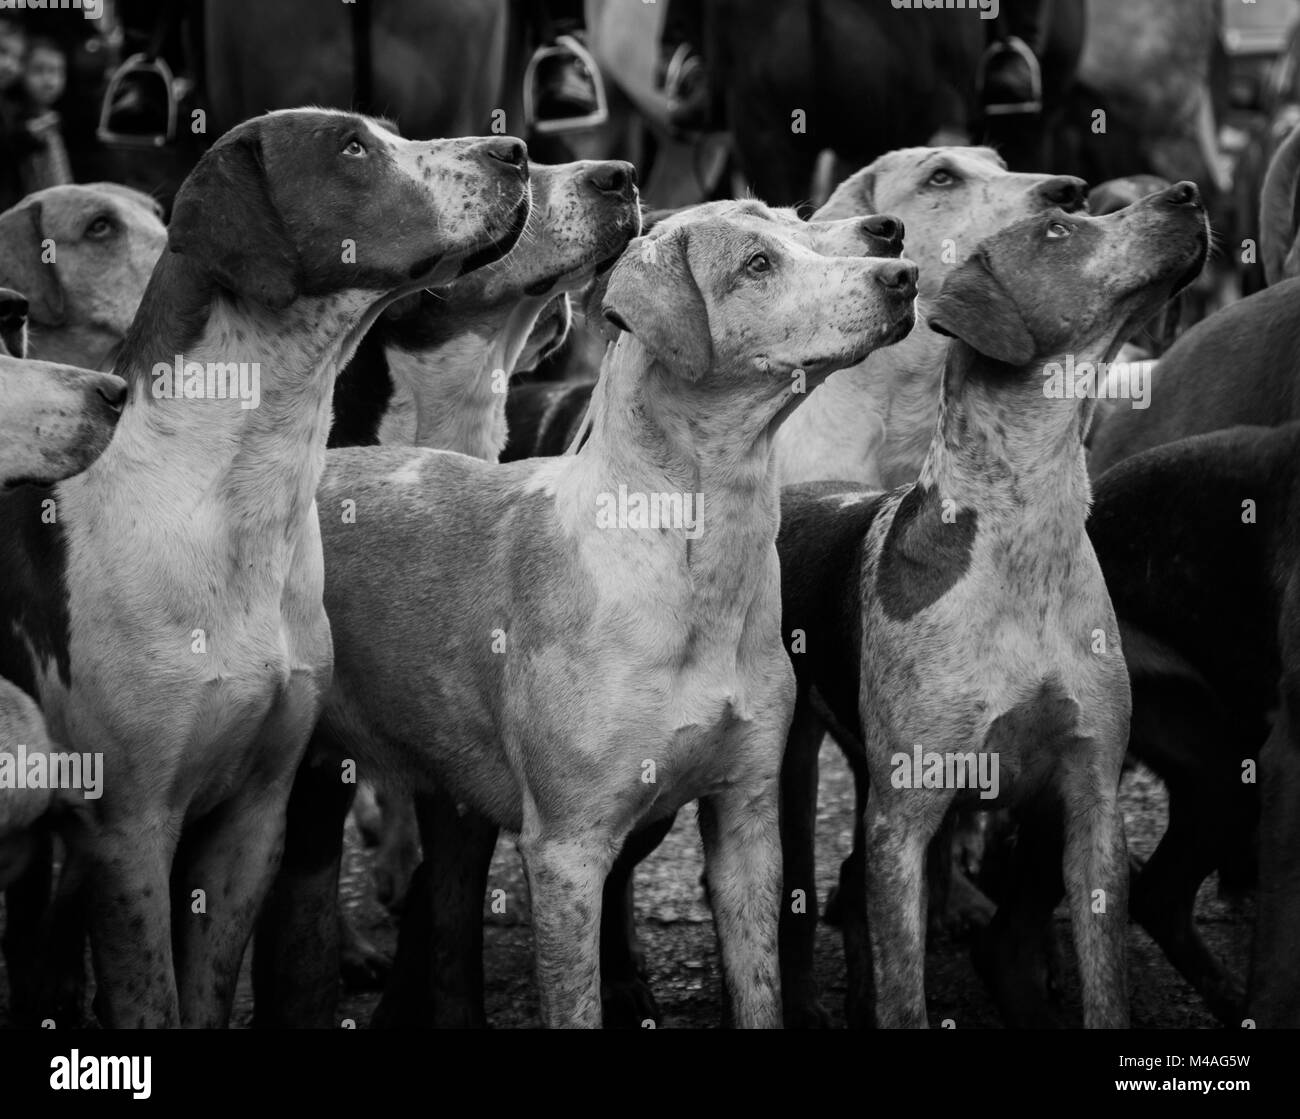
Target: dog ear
column 975, row 307
column 653, row 295
column 22, row 268
column 855, row 197
column 226, row 220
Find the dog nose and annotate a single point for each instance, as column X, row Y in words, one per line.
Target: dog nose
column 507, row 150
column 1065, row 191
column 1182, row 194
column 613, row 177
column 13, row 309
column 883, row 226
column 898, row 277
column 112, row 389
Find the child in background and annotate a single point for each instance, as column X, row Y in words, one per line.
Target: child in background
column 44, row 80
column 15, row 141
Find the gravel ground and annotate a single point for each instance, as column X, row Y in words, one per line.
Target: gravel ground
column 677, row 933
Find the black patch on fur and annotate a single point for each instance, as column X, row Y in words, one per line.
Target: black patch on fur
column 362, row 394
column 923, row 556
column 33, row 588
column 821, row 549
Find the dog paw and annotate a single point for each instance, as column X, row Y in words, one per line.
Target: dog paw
column 627, row 1004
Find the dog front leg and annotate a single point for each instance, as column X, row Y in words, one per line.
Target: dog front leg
column 803, row 1009
column 1274, row 989
column 1096, row 879
column 1162, row 894
column 232, row 857
column 742, row 852
column 896, row 842
column 130, row 926
column 437, row 977
column 626, row 998
column 566, row 876
column 296, row 955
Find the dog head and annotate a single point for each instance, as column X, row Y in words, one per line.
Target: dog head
column 1063, row 283
column 54, row 419
column 741, row 299
column 872, row 235
column 584, row 214
column 82, row 256
column 310, row 202
column 950, row 200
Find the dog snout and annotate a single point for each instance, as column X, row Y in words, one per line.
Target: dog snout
column 898, row 277
column 13, row 309
column 1183, row 193
column 111, row 389
column 884, row 227
column 1065, row 191
column 508, row 151
column 613, row 176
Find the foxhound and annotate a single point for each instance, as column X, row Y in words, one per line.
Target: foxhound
column 962, row 623
column 82, row 255
column 583, row 673
column 196, row 661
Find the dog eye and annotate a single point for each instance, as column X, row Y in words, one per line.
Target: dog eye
column 100, row 228
column 1056, row 230
column 758, row 263
column 354, row 147
column 942, row 177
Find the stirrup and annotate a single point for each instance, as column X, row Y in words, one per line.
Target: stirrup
column 1013, row 44
column 137, row 74
column 679, row 69
column 564, row 44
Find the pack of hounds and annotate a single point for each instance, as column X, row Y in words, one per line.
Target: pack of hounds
column 393, row 569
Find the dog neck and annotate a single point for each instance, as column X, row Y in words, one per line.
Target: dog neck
column 260, row 457
column 652, row 422
column 871, row 422
column 453, row 398
column 654, row 432
column 1003, row 448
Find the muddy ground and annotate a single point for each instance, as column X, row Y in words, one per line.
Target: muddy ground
column 677, row 932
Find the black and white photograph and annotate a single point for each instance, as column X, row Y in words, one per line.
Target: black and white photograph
column 649, row 514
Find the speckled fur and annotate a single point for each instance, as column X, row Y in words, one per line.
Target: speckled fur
column 208, row 512
column 1005, row 656
column 447, row 395
column 621, row 646
column 872, row 423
